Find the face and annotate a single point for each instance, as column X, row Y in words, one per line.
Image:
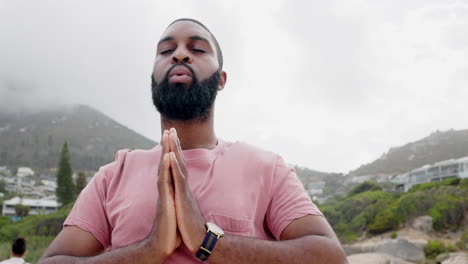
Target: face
column 187, row 42
column 186, row 76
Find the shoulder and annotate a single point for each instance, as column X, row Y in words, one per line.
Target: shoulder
column 125, row 158
column 255, row 155
column 250, row 151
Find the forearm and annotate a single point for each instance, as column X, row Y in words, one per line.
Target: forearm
column 140, row 252
column 307, row 249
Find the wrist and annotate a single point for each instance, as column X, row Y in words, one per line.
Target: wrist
column 157, row 251
column 199, row 236
column 212, row 235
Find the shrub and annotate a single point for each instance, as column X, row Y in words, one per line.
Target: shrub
column 463, row 242
column 447, row 213
column 434, row 248
column 394, row 235
column 21, row 210
column 385, row 221
column 414, row 204
column 464, row 183
column 364, row 187
column 332, row 215
column 431, row 185
column 375, row 212
column 36, row 225
column 451, row 248
column 4, row 220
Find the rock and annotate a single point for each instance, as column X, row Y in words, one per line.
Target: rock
column 375, row 258
column 422, row 223
column 454, row 258
column 420, row 243
column 402, row 248
column 359, row 248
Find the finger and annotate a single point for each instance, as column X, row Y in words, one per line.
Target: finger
column 177, row 174
column 165, row 147
column 177, row 141
column 175, row 147
column 165, row 142
column 165, row 181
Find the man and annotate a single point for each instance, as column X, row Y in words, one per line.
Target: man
column 18, row 252
column 194, row 197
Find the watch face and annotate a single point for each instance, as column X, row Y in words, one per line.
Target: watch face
column 214, row 228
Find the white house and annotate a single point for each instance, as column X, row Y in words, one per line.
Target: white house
column 437, row 172
column 36, row 206
column 24, row 172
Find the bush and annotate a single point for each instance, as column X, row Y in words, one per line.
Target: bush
column 36, row 225
column 351, row 216
column 364, row 187
column 394, row 235
column 463, row 242
column 451, row 248
column 375, row 212
column 4, row 220
column 434, row 248
column 415, row 204
column 385, row 221
column 447, row 212
column 430, row 185
column 464, row 183
column 21, row 210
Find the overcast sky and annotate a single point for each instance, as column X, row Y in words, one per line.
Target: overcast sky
column 329, row 85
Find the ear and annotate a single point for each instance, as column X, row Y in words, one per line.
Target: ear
column 222, row 80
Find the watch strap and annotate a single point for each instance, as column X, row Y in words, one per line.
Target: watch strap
column 207, row 246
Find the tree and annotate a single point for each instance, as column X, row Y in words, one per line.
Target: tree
column 21, row 210
column 65, row 189
column 80, row 182
column 2, row 186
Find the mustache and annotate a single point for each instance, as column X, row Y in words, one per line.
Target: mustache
column 183, row 64
column 166, row 76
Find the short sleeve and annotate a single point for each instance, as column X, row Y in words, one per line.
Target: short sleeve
column 89, row 211
column 289, row 200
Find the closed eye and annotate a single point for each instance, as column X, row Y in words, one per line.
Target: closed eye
column 199, row 50
column 165, row 51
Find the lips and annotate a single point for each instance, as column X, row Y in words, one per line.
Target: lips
column 180, row 70
column 180, row 74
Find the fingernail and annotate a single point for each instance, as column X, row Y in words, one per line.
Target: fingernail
column 173, row 130
column 172, row 155
column 165, row 156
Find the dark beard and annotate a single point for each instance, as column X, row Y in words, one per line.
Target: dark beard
column 185, row 102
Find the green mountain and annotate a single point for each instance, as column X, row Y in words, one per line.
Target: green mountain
column 34, row 139
column 438, row 146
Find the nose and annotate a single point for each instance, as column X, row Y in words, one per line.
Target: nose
column 181, row 55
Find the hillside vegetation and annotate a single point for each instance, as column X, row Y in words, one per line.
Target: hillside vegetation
column 368, row 210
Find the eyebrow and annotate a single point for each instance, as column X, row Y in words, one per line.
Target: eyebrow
column 169, row 38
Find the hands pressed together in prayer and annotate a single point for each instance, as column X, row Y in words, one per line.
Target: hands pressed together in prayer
column 178, row 217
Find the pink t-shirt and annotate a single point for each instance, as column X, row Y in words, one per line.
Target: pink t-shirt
column 244, row 190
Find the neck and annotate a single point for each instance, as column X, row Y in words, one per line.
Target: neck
column 193, row 133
